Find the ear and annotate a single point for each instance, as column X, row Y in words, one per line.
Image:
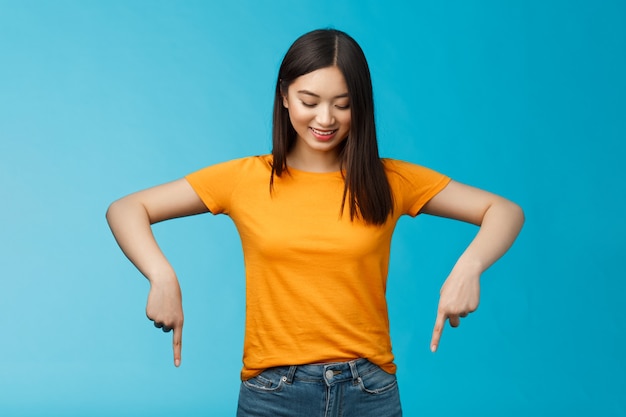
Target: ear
column 283, row 93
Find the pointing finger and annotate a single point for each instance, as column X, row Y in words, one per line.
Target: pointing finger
column 177, row 344
column 438, row 329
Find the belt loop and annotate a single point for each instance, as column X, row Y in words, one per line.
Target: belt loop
column 355, row 372
column 291, row 373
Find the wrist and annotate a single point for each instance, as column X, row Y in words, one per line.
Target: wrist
column 467, row 266
column 162, row 276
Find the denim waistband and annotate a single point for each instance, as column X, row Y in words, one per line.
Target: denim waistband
column 330, row 373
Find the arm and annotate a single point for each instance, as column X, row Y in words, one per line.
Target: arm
column 130, row 219
column 500, row 222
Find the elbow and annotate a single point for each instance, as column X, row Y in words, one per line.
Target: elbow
column 125, row 209
column 522, row 216
column 112, row 211
column 119, row 209
column 509, row 212
column 516, row 214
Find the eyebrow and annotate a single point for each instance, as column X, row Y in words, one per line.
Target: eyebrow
column 310, row 93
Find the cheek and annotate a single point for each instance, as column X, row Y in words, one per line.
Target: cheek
column 346, row 121
column 298, row 116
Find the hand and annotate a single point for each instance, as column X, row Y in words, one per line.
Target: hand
column 165, row 308
column 458, row 297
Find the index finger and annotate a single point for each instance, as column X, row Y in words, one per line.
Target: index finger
column 177, row 343
column 438, row 329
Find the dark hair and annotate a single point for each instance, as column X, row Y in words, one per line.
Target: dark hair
column 366, row 187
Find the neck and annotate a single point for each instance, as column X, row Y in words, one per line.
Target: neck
column 312, row 161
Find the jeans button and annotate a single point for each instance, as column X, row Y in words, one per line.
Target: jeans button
column 329, row 374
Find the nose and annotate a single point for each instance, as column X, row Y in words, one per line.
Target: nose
column 325, row 116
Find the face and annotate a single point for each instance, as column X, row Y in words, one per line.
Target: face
column 319, row 110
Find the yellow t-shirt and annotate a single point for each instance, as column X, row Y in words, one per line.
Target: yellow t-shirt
column 315, row 280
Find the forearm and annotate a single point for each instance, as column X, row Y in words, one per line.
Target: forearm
column 131, row 226
column 501, row 223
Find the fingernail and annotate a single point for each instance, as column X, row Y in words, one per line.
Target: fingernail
column 433, row 348
column 177, row 362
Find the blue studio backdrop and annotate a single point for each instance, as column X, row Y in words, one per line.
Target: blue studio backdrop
column 102, row 98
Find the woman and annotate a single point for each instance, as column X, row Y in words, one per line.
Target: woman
column 316, row 219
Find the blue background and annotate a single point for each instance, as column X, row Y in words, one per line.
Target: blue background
column 102, row 98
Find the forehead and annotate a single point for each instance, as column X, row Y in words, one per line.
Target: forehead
column 323, row 82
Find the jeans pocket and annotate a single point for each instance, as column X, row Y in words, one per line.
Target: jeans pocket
column 267, row 381
column 377, row 382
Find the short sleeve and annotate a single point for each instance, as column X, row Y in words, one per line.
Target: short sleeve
column 215, row 184
column 413, row 185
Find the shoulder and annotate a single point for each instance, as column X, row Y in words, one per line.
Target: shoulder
column 394, row 165
column 256, row 161
column 230, row 173
column 248, row 163
column 216, row 184
column 403, row 174
column 413, row 185
column 395, row 168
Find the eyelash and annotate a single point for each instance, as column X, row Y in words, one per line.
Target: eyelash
column 309, row 105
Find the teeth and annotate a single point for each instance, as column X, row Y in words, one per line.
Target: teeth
column 323, row 132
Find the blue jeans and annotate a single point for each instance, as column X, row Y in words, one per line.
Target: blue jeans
column 348, row 389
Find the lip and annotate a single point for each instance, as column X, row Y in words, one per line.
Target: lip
column 323, row 134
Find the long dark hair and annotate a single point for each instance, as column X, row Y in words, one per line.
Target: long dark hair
column 366, row 187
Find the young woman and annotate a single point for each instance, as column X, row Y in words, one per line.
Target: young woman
column 316, row 219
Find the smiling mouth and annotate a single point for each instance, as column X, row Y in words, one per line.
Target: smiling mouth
column 324, row 132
